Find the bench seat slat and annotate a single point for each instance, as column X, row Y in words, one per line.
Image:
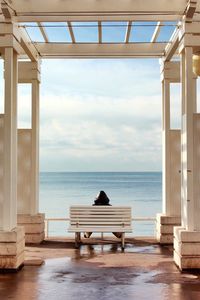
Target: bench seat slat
column 101, row 229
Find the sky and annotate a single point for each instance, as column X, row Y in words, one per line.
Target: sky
column 98, row 115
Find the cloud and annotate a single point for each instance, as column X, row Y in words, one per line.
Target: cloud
column 101, row 134
column 97, row 115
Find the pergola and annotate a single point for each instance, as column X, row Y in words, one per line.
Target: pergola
column 26, row 38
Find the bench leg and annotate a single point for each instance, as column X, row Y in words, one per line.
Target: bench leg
column 123, row 240
column 77, row 239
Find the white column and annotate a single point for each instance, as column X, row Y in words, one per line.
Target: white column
column 10, row 142
column 187, row 237
column 171, row 200
column 28, row 212
column 187, row 140
column 166, row 145
column 35, row 149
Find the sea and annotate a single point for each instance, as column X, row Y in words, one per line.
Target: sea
column 140, row 190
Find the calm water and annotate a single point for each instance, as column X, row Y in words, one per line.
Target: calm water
column 141, row 190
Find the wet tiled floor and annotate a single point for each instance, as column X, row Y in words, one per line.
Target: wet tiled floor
column 100, row 271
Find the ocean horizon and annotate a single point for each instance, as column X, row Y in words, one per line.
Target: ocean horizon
column 140, row 190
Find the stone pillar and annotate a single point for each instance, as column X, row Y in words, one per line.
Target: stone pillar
column 28, row 162
column 170, row 217
column 11, row 236
column 187, row 236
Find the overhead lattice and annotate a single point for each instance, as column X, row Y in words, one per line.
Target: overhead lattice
column 104, row 28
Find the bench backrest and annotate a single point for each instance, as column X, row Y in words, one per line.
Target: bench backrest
column 99, row 215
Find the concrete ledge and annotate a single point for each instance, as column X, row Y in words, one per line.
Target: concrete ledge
column 191, row 249
column 164, row 228
column 34, row 227
column 35, row 238
column 186, row 248
column 184, row 263
column 29, row 219
column 172, row 220
column 12, row 249
column 13, row 236
column 165, row 239
column 186, row 236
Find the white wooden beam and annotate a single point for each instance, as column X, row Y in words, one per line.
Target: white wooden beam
column 172, row 46
column 82, row 50
column 6, row 11
column 28, row 46
column 98, row 17
column 28, row 71
column 100, row 32
column 35, row 147
column 86, row 7
column 43, row 32
column 71, row 32
column 128, row 32
column 190, row 9
column 156, row 32
column 10, row 141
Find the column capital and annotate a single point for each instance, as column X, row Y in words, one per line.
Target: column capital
column 29, row 71
column 170, row 70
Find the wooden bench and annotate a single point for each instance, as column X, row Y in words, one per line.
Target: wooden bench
column 85, row 218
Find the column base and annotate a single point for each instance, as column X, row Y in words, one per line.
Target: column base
column 34, row 227
column 186, row 248
column 164, row 228
column 12, row 245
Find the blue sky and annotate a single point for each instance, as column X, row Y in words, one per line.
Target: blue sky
column 98, row 115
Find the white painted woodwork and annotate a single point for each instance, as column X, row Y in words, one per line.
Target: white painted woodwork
column 171, row 47
column 24, row 189
column 28, row 147
column 28, row 71
column 12, row 36
column 190, row 9
column 166, row 145
column 10, row 141
column 171, row 145
column 187, row 140
column 128, row 32
column 129, row 50
column 43, row 32
column 71, row 32
column 174, row 205
column 156, row 32
column 94, row 18
column 35, row 149
column 6, row 11
column 36, row 10
column 99, row 32
column 170, row 70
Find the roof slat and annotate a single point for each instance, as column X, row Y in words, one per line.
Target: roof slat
column 100, row 32
column 43, row 32
column 128, row 32
column 156, row 32
column 71, row 32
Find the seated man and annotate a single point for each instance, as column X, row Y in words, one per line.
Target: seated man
column 102, row 199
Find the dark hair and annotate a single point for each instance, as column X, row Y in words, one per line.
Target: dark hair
column 102, row 199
